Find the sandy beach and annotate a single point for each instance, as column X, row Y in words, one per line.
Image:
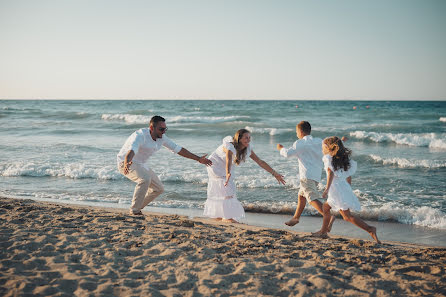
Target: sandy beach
column 50, row 249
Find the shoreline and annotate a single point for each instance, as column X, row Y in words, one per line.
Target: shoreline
column 51, row 249
column 387, row 231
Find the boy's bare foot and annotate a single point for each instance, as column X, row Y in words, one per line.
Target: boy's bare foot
column 292, row 222
column 229, row 221
column 372, row 233
column 319, row 234
column 332, row 219
column 218, row 219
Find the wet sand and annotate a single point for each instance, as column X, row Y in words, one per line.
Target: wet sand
column 50, row 249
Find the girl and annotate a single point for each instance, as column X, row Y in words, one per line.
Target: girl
column 339, row 169
column 222, row 203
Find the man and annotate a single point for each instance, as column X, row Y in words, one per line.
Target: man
column 135, row 152
column 308, row 150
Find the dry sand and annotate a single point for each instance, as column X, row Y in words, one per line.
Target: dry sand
column 49, row 249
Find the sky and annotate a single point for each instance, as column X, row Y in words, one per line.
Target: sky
column 228, row 49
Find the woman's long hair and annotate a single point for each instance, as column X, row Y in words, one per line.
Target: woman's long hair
column 241, row 153
column 341, row 155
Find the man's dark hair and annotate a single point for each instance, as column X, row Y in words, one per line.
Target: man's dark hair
column 305, row 127
column 155, row 119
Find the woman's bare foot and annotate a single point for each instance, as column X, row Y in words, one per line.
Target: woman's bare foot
column 292, row 222
column 229, row 221
column 372, row 233
column 319, row 234
column 332, row 219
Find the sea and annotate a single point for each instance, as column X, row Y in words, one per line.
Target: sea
column 65, row 150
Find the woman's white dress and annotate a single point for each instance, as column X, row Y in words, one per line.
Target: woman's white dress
column 222, row 200
column 340, row 194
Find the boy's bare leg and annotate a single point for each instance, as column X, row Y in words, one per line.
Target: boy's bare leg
column 301, row 202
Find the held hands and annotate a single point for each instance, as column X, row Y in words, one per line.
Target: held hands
column 205, row 161
column 127, row 167
column 228, row 176
column 279, row 146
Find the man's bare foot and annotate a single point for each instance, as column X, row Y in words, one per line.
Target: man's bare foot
column 332, row 219
column 229, row 221
column 319, row 234
column 372, row 233
column 292, row 222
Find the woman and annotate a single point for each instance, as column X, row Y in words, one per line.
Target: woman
column 222, row 203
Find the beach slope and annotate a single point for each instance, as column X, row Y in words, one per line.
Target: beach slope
column 52, row 249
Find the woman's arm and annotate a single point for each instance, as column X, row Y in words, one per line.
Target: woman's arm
column 268, row 168
column 349, row 180
column 228, row 164
column 330, row 176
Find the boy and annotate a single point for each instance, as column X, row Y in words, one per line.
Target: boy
column 308, row 150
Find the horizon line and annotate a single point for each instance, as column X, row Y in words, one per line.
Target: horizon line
column 214, row 99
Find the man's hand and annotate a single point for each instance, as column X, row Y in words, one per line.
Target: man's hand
column 127, row 167
column 205, row 161
column 279, row 146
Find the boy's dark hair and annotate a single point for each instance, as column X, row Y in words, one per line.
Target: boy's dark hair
column 155, row 119
column 305, row 127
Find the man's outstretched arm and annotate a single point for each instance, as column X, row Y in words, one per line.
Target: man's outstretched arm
column 203, row 160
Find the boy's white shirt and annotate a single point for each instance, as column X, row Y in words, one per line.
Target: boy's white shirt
column 309, row 152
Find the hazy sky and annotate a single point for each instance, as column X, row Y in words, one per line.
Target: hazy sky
column 246, row 49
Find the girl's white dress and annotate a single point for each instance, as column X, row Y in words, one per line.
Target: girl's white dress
column 222, row 200
column 340, row 194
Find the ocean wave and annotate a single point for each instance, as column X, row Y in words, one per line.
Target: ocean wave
column 442, row 119
column 421, row 216
column 74, row 170
column 128, row 118
column 139, row 119
column 270, row 131
column 432, row 140
column 406, row 163
column 204, row 119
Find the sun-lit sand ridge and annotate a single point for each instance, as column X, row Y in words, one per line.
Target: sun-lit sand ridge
column 49, row 249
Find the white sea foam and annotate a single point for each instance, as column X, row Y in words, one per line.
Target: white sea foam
column 128, row 118
column 270, row 131
column 406, row 163
column 141, row 119
column 433, row 140
column 442, row 119
column 420, row 216
column 203, row 119
column 73, row 170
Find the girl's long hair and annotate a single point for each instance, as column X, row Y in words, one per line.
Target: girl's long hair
column 241, row 153
column 341, row 155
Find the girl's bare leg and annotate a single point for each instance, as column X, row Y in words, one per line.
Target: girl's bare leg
column 325, row 222
column 346, row 214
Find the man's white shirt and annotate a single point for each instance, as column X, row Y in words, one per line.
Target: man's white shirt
column 144, row 146
column 309, row 152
